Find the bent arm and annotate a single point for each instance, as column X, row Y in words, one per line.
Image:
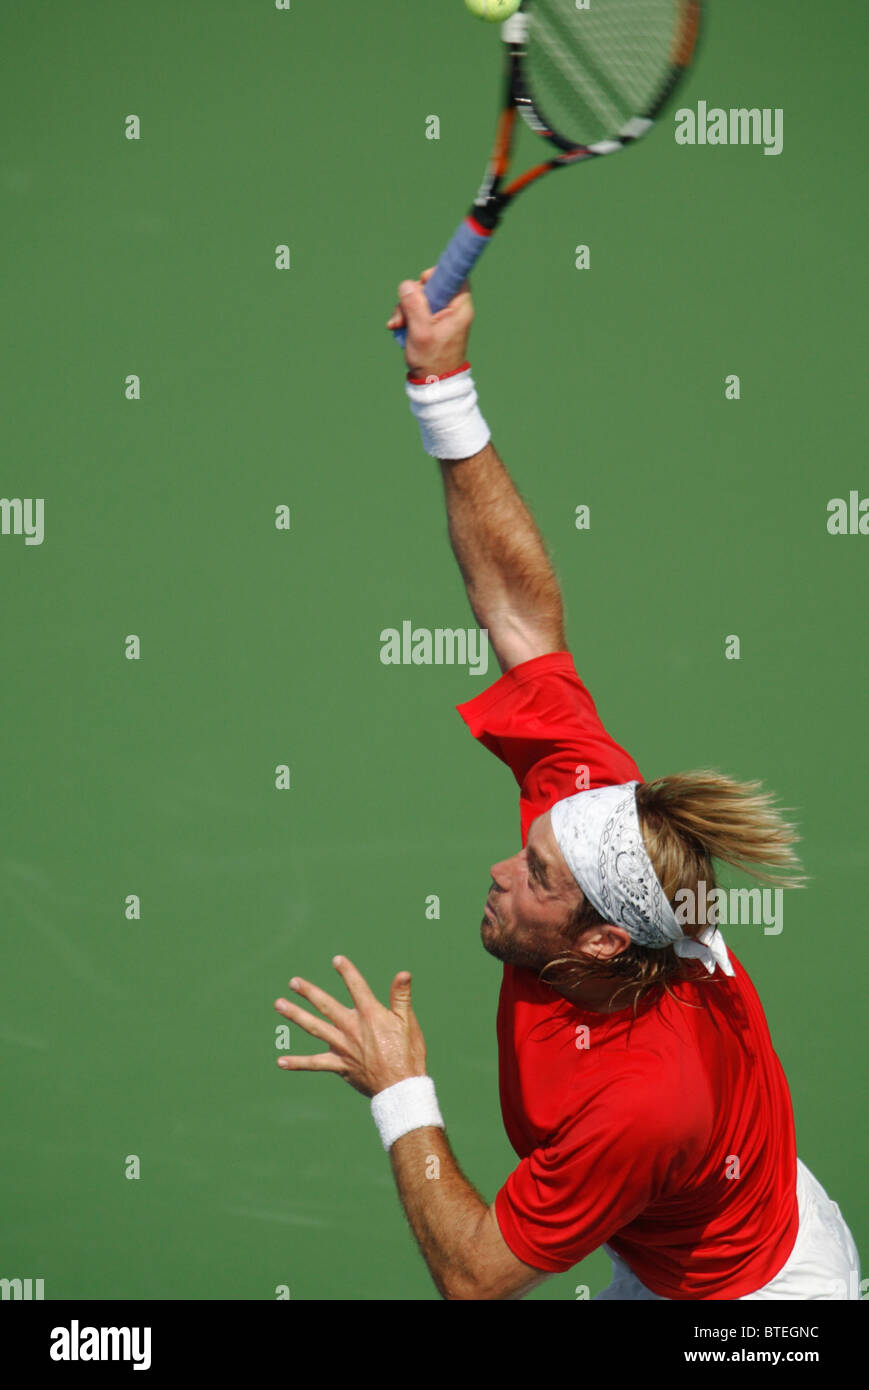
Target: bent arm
column 511, row 585
column 458, row 1235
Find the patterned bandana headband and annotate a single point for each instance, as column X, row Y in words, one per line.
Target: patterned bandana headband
column 599, row 834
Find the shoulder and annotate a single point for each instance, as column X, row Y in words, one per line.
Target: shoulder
column 653, row 1076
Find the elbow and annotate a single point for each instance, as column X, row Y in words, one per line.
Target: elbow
column 464, row 1287
column 456, row 1292
column 515, row 641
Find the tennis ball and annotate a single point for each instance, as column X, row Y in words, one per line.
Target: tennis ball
column 493, row 10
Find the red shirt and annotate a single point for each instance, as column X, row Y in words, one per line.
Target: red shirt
column 670, row 1136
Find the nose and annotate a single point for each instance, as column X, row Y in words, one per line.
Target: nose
column 501, row 875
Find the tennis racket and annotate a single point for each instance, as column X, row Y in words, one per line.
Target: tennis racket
column 589, row 82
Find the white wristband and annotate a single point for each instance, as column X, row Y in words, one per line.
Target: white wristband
column 409, row 1104
column 448, row 415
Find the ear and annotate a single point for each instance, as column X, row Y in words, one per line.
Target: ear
column 617, row 941
column 604, row 943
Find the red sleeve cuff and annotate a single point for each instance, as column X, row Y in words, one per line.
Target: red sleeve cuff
column 473, row 710
column 512, row 1238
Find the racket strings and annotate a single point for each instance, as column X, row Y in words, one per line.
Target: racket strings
column 590, row 72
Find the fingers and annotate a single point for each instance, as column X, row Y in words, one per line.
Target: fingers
column 360, row 992
column 323, row 1002
column 396, row 318
column 315, row 1026
column 409, row 290
column 414, row 305
column 321, row 1061
column 399, row 995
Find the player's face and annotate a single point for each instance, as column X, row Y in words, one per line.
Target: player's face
column 531, row 899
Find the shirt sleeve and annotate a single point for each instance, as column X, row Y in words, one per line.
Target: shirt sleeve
column 541, row 721
column 604, row 1169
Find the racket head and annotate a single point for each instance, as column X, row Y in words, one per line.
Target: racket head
column 592, row 80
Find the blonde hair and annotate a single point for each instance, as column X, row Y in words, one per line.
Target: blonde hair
column 689, row 820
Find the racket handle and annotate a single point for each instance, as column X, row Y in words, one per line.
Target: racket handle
column 458, row 260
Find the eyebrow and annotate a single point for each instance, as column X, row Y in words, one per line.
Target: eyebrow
column 537, row 863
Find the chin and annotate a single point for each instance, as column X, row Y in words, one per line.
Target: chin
column 492, row 940
column 489, row 936
column 502, row 950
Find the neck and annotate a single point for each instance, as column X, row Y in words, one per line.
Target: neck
column 595, row 995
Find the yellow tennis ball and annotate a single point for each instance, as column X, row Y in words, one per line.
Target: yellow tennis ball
column 493, row 10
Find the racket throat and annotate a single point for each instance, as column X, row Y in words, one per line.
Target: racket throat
column 486, row 213
column 490, row 202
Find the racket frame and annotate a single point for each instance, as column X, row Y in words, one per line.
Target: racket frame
column 474, row 233
column 492, row 198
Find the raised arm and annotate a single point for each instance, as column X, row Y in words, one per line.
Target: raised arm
column 510, row 582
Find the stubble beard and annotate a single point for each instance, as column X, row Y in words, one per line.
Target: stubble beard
column 499, row 944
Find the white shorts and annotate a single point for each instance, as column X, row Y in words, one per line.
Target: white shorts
column 823, row 1264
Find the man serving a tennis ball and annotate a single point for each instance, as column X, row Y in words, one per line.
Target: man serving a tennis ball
column 639, row 1086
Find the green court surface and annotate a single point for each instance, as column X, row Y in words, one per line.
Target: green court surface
column 154, row 1036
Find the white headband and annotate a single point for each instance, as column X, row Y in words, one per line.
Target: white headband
column 599, row 834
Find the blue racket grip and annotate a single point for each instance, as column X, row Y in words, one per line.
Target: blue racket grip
column 453, row 268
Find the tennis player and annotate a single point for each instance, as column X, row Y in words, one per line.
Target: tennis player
column 639, row 1087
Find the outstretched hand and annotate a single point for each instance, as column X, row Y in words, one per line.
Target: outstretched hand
column 371, row 1046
